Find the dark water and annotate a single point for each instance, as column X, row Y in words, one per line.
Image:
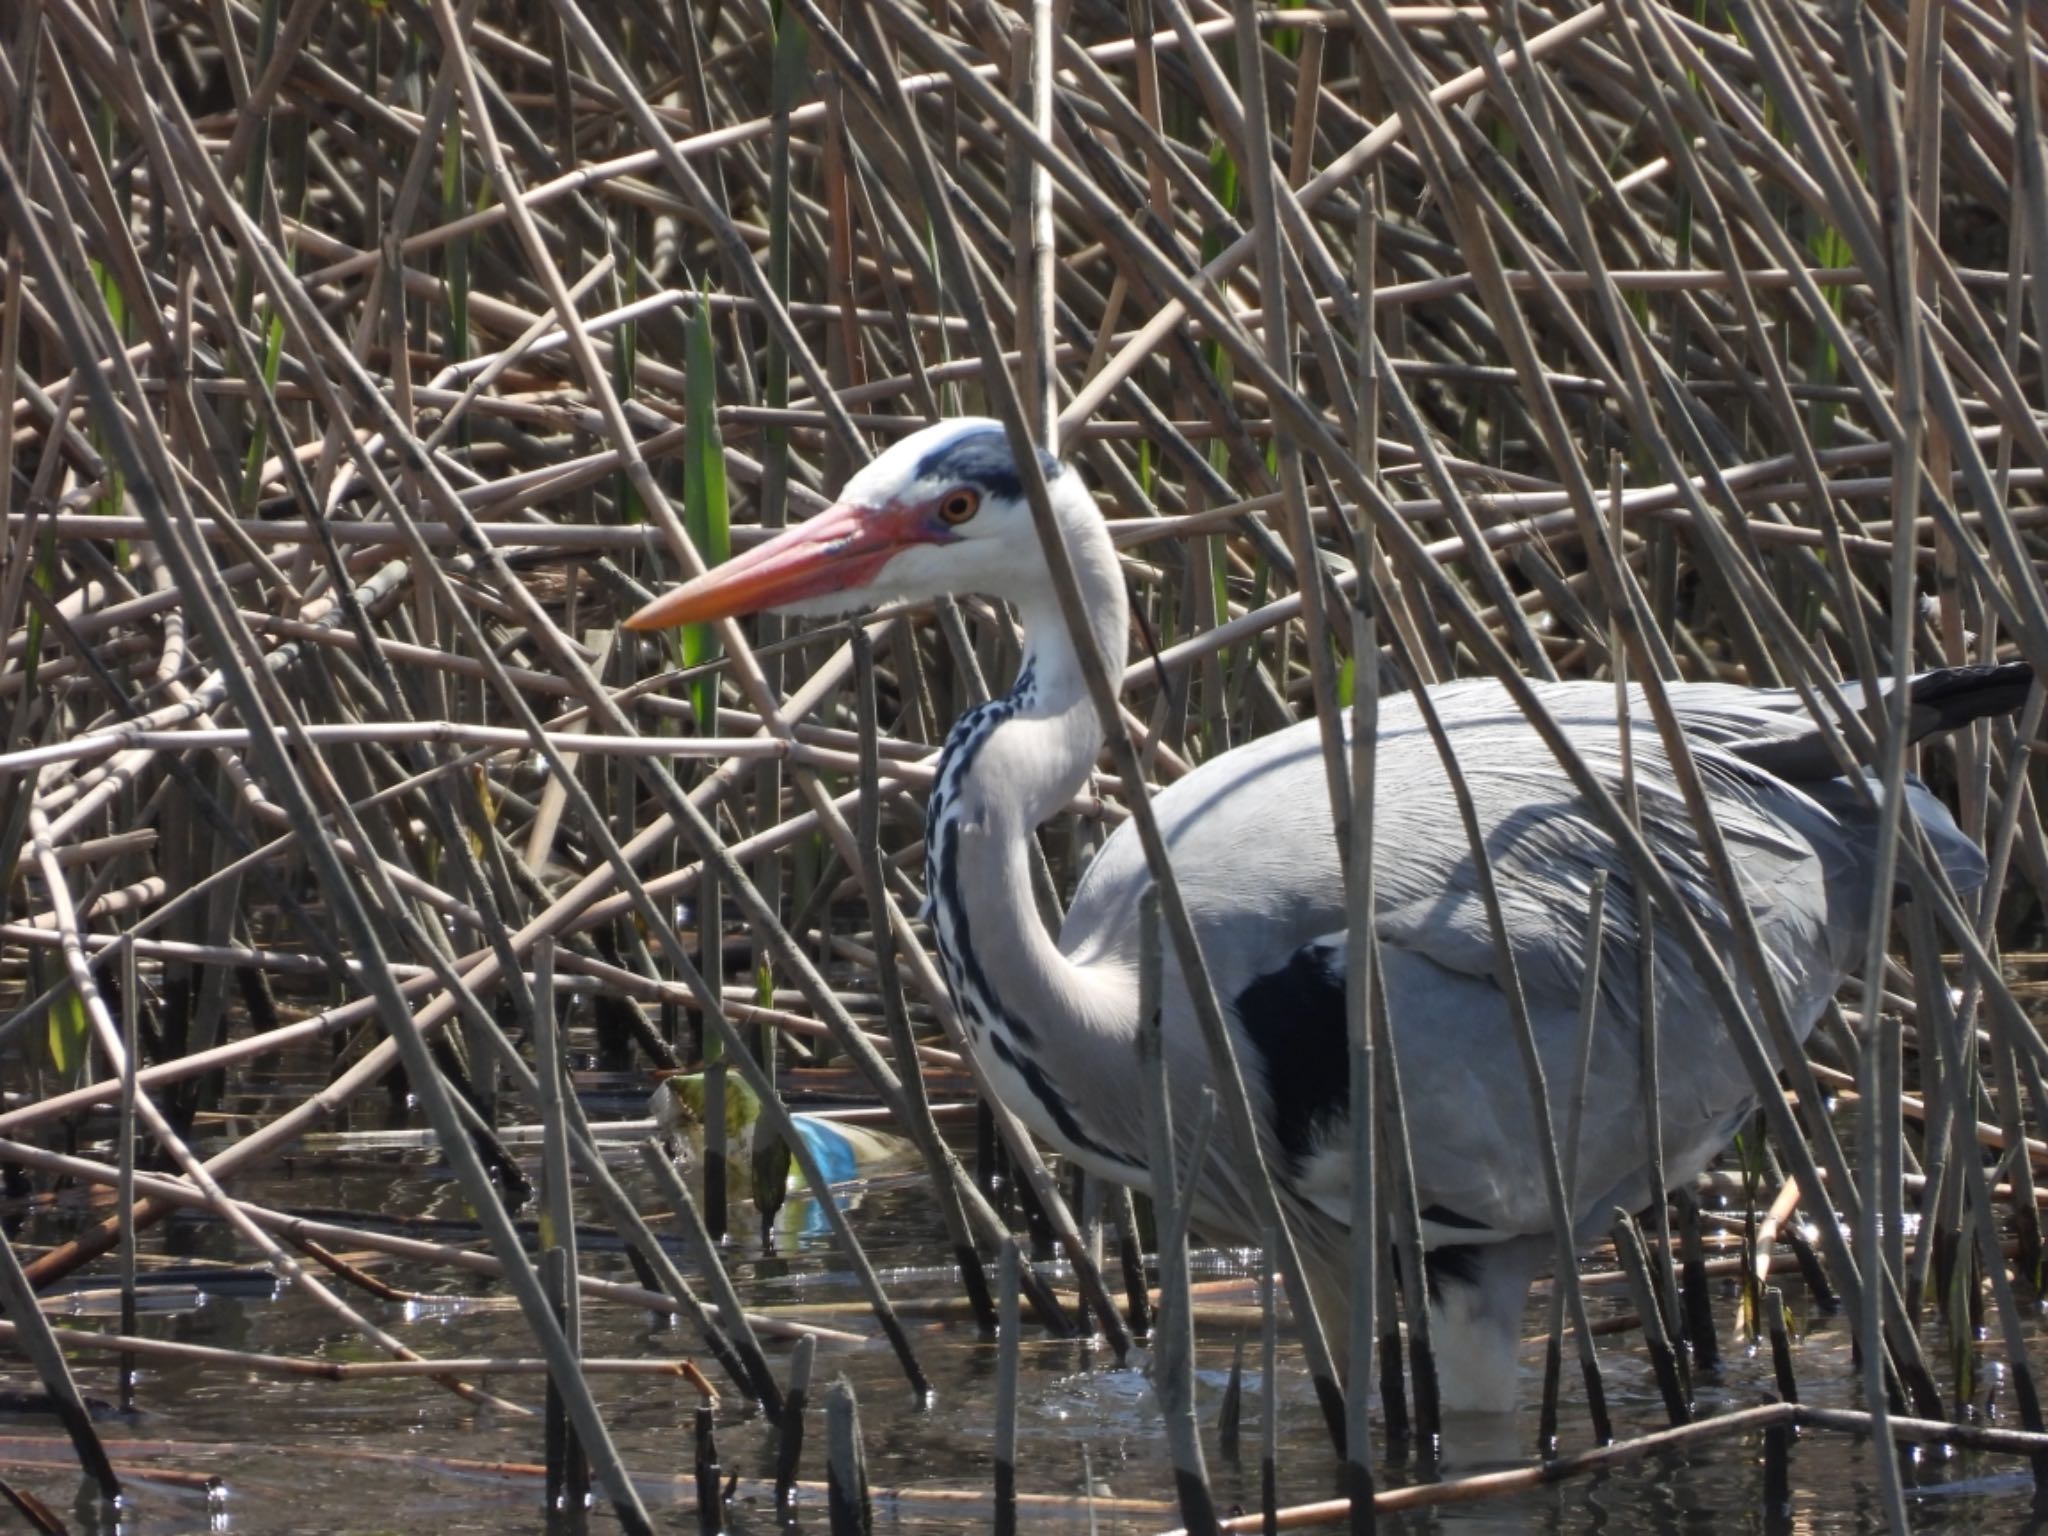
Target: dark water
column 404, row 1455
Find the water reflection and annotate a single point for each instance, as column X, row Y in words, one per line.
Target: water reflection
column 401, row 1454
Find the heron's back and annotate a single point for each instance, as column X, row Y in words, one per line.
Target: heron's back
column 1255, row 853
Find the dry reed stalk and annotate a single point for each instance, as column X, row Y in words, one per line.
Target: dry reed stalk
column 1340, row 306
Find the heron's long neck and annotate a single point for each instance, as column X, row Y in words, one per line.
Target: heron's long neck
column 1010, row 764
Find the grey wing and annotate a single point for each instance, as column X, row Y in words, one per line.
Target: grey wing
column 1463, row 1087
column 1252, row 842
column 1250, row 837
column 1803, row 873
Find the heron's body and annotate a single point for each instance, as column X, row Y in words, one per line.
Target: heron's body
column 1053, row 1023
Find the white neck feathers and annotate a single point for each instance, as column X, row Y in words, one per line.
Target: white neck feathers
column 1013, row 763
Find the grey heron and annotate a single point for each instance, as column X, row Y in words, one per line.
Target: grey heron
column 1053, row 1022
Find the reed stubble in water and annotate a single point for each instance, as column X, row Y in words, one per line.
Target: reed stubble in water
column 847, row 1506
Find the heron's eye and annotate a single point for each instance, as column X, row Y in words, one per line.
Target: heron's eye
column 959, row 505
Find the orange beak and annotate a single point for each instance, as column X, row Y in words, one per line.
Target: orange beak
column 841, row 549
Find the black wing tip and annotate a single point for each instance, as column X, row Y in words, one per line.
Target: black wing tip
column 1950, row 697
column 1944, row 699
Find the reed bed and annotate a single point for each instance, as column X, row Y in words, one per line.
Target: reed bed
column 363, row 366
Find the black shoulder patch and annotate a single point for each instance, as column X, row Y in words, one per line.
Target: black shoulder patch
column 1294, row 1017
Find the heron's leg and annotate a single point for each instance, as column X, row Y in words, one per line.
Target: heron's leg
column 1478, row 1294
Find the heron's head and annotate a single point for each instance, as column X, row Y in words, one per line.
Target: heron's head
column 943, row 511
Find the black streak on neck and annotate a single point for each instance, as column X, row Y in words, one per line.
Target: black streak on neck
column 1010, row 1038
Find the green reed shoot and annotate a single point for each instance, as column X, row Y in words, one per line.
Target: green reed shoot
column 707, row 513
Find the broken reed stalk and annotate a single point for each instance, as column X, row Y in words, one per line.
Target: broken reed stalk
column 1173, row 1368
column 568, row 1473
column 1642, row 1284
column 1780, row 1324
column 1696, row 1294
column 789, row 1431
column 1008, row 1327
column 1593, row 947
column 124, row 1184
column 567, row 1486
column 1269, row 1391
column 710, row 1495
column 711, row 950
column 1131, row 1260
column 1777, row 1484
column 1366, row 1246
column 1230, row 1409
column 848, row 1510
column 1393, row 1380
column 1870, row 1256
column 1879, row 1037
column 1404, row 1222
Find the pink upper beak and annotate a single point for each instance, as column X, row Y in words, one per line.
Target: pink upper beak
column 842, row 548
